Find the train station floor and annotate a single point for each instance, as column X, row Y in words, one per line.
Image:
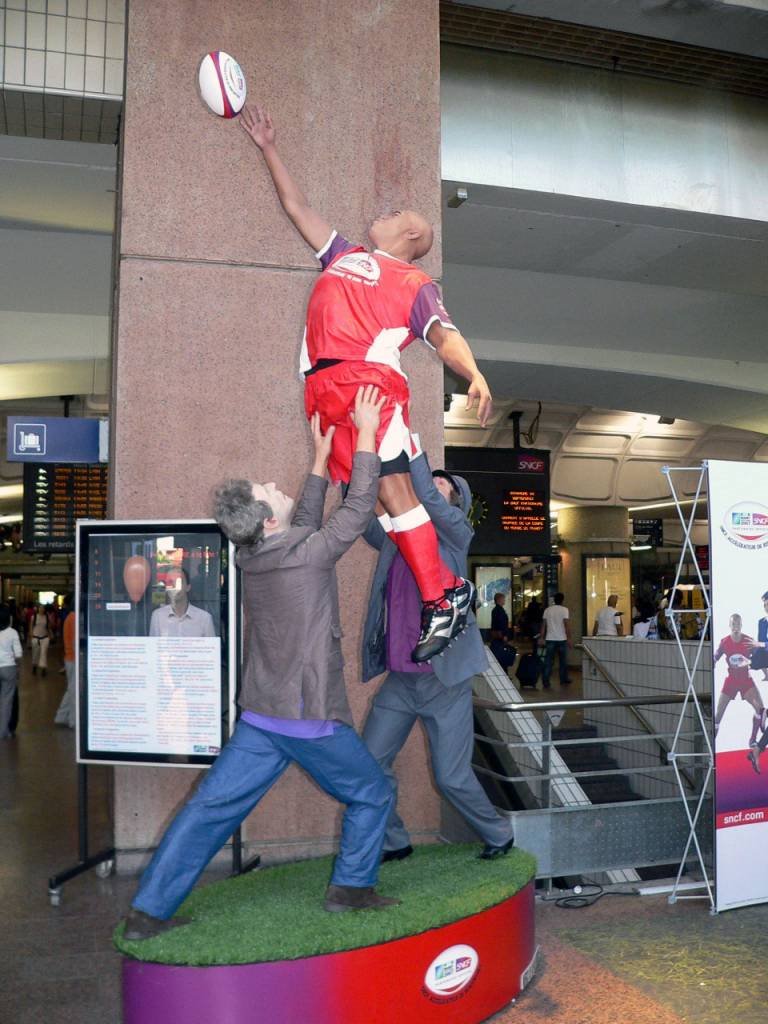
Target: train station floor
column 627, row 959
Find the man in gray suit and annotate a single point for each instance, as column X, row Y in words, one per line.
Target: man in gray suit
column 439, row 693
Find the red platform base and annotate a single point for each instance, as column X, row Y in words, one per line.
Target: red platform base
column 461, row 973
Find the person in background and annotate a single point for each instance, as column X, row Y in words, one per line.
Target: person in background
column 499, row 619
column 556, row 636
column 53, row 621
column 531, row 623
column 501, row 649
column 10, row 653
column 645, row 627
column 40, row 640
column 66, row 711
column 608, row 621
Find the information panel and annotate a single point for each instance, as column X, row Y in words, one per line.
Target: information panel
column 156, row 679
column 510, row 499
column 738, row 526
column 55, row 497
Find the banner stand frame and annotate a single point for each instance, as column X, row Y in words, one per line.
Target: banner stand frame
column 676, row 755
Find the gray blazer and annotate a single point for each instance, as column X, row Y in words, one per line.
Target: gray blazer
column 467, row 656
column 293, row 666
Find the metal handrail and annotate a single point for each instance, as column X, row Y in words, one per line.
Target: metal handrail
column 546, row 741
column 597, row 702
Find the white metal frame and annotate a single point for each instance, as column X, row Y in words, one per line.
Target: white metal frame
column 676, row 755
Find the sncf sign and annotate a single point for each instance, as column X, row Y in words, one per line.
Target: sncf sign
column 529, row 464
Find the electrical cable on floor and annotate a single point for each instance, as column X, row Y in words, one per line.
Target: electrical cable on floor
column 580, row 898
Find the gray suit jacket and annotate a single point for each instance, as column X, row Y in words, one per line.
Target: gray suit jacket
column 293, row 665
column 467, row 655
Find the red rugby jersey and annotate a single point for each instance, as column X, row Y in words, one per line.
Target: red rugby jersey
column 367, row 306
column 730, row 647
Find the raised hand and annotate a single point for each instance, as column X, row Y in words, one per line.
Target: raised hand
column 322, row 443
column 257, row 124
column 368, row 406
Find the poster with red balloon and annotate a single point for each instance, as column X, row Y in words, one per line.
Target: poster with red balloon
column 155, row 660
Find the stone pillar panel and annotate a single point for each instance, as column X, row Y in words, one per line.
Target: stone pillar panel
column 354, row 92
column 213, row 283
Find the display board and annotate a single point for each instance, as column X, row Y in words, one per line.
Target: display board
column 738, row 524
column 510, row 499
column 648, row 531
column 56, row 495
column 155, row 653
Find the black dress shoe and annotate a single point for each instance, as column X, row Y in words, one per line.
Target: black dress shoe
column 139, row 926
column 492, row 852
column 401, row 854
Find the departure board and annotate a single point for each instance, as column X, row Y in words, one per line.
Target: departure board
column 524, row 510
column 56, row 495
column 510, row 499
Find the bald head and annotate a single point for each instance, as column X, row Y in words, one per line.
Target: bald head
column 402, row 233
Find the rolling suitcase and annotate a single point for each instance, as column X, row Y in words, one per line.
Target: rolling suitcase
column 529, row 670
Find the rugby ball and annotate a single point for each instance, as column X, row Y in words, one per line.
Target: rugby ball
column 222, row 84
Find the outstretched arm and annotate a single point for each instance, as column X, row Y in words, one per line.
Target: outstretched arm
column 309, row 509
column 454, row 351
column 257, row 125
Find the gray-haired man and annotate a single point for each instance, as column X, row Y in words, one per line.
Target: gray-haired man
column 293, row 700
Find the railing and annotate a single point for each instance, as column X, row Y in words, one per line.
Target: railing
column 573, row 835
column 645, row 725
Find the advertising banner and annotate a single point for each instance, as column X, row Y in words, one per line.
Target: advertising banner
column 738, row 517
column 154, row 658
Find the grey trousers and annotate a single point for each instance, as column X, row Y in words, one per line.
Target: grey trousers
column 9, row 678
column 446, row 712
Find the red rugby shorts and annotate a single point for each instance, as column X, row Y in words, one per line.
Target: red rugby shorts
column 332, row 392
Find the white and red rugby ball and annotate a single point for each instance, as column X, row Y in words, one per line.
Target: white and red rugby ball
column 222, row 84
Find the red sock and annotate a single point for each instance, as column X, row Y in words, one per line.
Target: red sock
column 417, row 542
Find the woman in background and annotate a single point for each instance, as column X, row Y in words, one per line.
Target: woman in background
column 10, row 653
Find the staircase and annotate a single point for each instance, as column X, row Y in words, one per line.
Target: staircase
column 592, row 757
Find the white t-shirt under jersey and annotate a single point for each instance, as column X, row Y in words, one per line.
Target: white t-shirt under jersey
column 607, row 621
column 555, row 617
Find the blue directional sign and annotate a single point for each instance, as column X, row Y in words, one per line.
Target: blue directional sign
column 56, row 439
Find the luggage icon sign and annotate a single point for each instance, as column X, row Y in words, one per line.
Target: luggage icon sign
column 29, row 439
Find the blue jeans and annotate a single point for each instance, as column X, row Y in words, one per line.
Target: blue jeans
column 561, row 646
column 247, row 767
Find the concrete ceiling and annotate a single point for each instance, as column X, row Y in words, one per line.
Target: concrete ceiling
column 57, row 212
column 734, row 26
column 610, row 305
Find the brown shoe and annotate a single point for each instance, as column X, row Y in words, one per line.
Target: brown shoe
column 339, row 898
column 139, row 926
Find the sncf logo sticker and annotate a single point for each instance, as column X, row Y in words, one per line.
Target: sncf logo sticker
column 357, row 264
column 450, row 973
column 746, row 525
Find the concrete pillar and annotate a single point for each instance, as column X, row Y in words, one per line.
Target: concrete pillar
column 213, row 283
column 588, row 530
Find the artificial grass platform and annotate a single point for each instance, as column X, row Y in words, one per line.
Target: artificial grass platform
column 277, row 913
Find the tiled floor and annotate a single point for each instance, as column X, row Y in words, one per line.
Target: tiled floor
column 625, row 960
